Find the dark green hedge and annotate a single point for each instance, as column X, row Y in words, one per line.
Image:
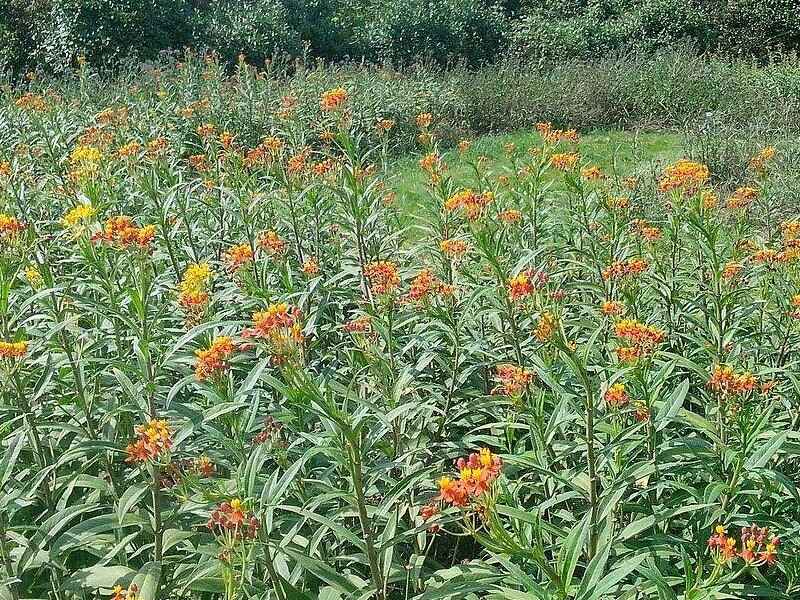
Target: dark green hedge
column 50, row 34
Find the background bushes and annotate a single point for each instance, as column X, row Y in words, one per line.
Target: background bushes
column 50, row 34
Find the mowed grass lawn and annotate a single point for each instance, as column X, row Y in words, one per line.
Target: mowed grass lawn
column 617, row 152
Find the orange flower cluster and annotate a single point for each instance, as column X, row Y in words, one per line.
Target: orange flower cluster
column 263, row 153
column 554, row 136
column 121, row 232
column 121, row 593
column 476, row 474
column 545, row 327
column 213, row 360
column 238, row 256
column 625, row 268
column 510, row 216
column 592, row 173
column 795, row 312
column 333, row 99
column 382, row 277
column 272, row 243
column 758, row 163
column 758, row 546
column 32, row 102
column 362, row 324
column 684, row 176
column 199, row 163
column 708, row 199
column 612, row 308
column 790, row 230
column 742, row 198
column 310, row 267
column 193, row 296
column 433, row 165
column 453, row 248
column 521, row 286
column 616, row 396
column 424, row 120
column 731, row 270
column 511, row 380
column 618, row 202
column 298, row 163
column 13, row 350
column 9, row 226
column 280, row 325
column 152, row 441
column 642, row 339
column 472, row 203
column 232, row 519
column 646, row 230
column 724, row 380
column 564, row 161
column 425, row 284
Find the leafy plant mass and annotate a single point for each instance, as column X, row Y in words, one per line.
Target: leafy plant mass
column 239, row 366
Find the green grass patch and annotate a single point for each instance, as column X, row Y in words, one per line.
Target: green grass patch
column 617, row 152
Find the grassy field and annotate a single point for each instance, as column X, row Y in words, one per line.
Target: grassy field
column 619, row 153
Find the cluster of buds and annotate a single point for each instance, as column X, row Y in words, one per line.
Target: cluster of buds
column 625, row 268
column 382, row 277
column 153, row 441
column 193, row 294
column 471, row 203
column 280, row 325
column 212, row 361
column 642, row 339
column 13, row 350
column 120, row 593
column 122, row 233
column 685, row 176
column 512, row 380
column 475, row 477
column 233, row 521
column 525, row 284
column 177, row 471
column 238, row 256
column 271, row 432
column 758, row 547
column 554, row 136
column 425, row 285
column 742, row 197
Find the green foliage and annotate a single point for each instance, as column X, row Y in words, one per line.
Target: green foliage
column 50, row 34
column 258, row 29
column 234, row 366
column 440, row 30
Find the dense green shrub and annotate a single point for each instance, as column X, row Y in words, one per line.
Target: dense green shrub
column 255, row 28
column 52, row 33
column 581, row 28
column 441, row 30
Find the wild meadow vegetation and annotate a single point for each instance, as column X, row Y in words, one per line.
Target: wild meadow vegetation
column 298, row 333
